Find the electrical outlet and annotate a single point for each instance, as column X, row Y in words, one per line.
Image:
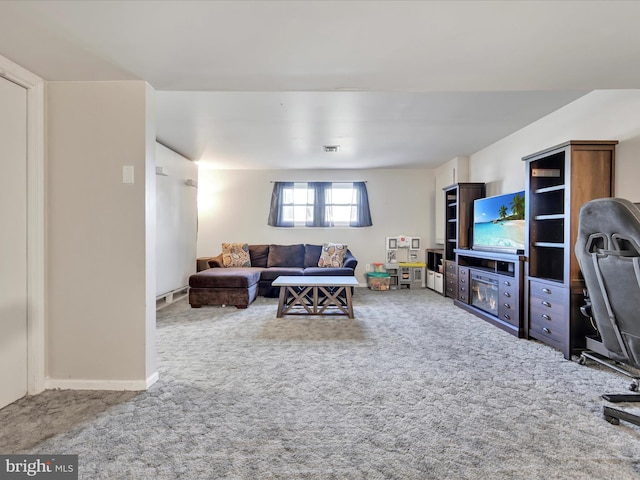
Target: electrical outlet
column 368, row 267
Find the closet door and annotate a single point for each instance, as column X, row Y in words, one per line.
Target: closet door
column 13, row 242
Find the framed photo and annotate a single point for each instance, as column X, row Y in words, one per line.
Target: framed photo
column 415, row 243
column 392, row 243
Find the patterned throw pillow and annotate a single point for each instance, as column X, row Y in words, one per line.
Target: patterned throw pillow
column 332, row 255
column 236, row 255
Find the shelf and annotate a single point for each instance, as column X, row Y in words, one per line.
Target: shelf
column 549, row 244
column 458, row 215
column 549, row 279
column 498, row 256
column 554, row 188
column 553, row 216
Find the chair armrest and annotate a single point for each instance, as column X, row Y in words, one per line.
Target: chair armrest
column 216, row 262
column 202, row 263
column 349, row 260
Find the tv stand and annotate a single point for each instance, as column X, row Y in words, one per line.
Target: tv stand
column 490, row 285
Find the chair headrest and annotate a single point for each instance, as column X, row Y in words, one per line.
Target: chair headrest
column 609, row 226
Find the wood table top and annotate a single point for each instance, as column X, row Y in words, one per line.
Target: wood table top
column 314, row 281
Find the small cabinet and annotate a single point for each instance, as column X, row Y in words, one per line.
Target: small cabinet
column 392, row 270
column 431, row 279
column 416, row 275
column 439, row 282
column 409, row 275
column 435, row 269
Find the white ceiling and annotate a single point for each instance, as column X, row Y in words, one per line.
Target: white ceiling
column 264, row 84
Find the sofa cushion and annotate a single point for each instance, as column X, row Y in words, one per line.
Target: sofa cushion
column 271, row 273
column 259, row 255
column 332, row 255
column 330, row 271
column 312, row 255
column 233, row 277
column 235, row 255
column 286, row 256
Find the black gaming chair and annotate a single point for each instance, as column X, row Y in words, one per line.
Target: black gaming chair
column 608, row 251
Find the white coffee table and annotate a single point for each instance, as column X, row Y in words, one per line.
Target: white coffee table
column 299, row 295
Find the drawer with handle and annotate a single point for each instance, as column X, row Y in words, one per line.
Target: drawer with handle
column 508, row 300
column 550, row 293
column 548, row 312
column 463, row 284
column 544, row 326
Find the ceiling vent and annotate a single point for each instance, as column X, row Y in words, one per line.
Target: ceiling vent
column 331, row 148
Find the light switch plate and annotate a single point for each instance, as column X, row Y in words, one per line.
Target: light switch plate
column 127, row 174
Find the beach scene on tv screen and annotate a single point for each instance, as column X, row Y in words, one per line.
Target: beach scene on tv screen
column 499, row 221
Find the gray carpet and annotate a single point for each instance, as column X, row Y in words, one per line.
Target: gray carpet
column 413, row 388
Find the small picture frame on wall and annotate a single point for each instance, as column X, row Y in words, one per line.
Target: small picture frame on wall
column 392, row 243
column 415, row 243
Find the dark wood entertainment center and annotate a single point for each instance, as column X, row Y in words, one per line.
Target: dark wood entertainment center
column 539, row 294
column 490, row 285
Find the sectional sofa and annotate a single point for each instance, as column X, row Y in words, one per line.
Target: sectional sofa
column 219, row 281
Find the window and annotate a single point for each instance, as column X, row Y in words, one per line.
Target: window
column 319, row 204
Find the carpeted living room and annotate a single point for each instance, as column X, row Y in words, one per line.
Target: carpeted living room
column 319, row 239
column 401, row 391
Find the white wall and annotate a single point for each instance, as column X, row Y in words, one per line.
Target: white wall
column 14, row 295
column 101, row 235
column 599, row 115
column 177, row 220
column 233, row 206
column 150, row 360
column 455, row 170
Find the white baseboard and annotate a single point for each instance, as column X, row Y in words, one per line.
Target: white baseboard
column 172, row 296
column 77, row 384
column 152, row 379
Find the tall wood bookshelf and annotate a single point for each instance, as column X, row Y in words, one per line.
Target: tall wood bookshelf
column 458, row 204
column 559, row 181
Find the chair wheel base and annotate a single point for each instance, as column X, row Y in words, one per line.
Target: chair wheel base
column 613, row 416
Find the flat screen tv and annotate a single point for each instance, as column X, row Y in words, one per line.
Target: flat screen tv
column 498, row 223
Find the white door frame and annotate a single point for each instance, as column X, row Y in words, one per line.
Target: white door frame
column 36, row 314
